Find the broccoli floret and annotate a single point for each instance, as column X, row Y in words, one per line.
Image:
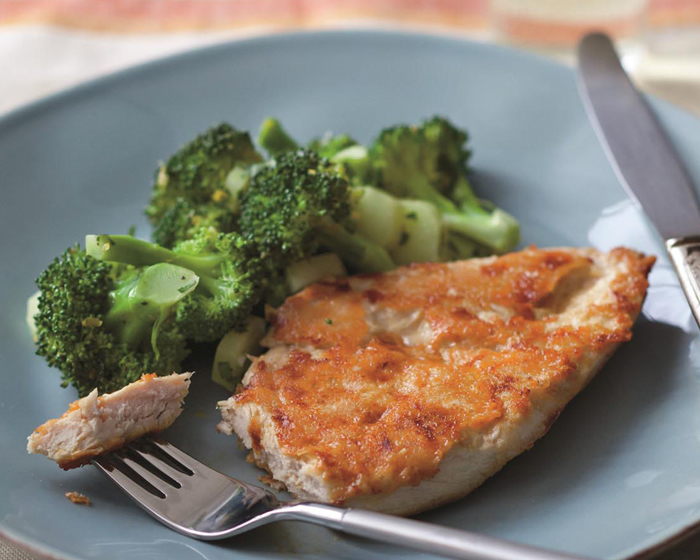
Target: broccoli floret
column 228, row 296
column 428, row 162
column 277, row 289
column 355, row 164
column 232, row 278
column 183, row 221
column 123, row 307
column 300, row 204
column 197, row 173
column 350, row 159
column 277, row 141
column 329, row 144
column 104, row 325
column 274, row 139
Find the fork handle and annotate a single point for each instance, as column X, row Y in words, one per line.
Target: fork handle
column 418, row 535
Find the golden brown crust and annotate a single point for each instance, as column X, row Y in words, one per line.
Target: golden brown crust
column 413, row 507
column 377, row 412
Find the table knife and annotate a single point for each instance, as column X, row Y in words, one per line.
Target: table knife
column 642, row 157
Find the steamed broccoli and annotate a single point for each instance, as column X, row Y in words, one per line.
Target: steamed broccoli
column 227, row 296
column 350, row 159
column 231, row 277
column 122, row 306
column 329, row 145
column 197, row 175
column 425, row 162
column 277, row 141
column 274, row 139
column 183, row 221
column 103, row 325
column 428, row 162
column 299, row 205
column 233, row 233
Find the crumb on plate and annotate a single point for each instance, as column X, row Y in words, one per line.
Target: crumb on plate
column 78, row 498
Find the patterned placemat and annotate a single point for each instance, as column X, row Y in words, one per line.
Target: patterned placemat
column 9, row 552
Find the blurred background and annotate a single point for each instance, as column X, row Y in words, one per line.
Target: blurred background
column 47, row 45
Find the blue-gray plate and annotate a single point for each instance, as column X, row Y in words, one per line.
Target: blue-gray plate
column 618, row 474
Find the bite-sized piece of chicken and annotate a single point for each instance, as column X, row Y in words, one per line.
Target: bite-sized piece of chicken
column 402, row 391
column 97, row 424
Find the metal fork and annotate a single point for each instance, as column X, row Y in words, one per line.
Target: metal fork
column 202, row 503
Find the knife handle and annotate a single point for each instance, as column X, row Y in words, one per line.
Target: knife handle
column 685, row 255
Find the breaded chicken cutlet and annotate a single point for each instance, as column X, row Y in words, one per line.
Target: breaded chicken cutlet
column 402, row 391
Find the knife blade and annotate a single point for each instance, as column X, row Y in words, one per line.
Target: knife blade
column 642, row 157
column 641, row 154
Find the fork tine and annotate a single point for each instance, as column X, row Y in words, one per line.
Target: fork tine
column 166, row 463
column 129, row 481
column 133, row 462
column 186, row 461
column 154, row 465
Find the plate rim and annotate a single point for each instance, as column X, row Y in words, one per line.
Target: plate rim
column 92, row 86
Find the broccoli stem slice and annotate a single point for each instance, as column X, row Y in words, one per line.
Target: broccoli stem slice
column 495, row 229
column 357, row 251
column 274, row 138
column 356, row 163
column 142, row 301
column 137, row 252
column 457, row 247
column 231, row 358
column 303, row 273
column 498, row 230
